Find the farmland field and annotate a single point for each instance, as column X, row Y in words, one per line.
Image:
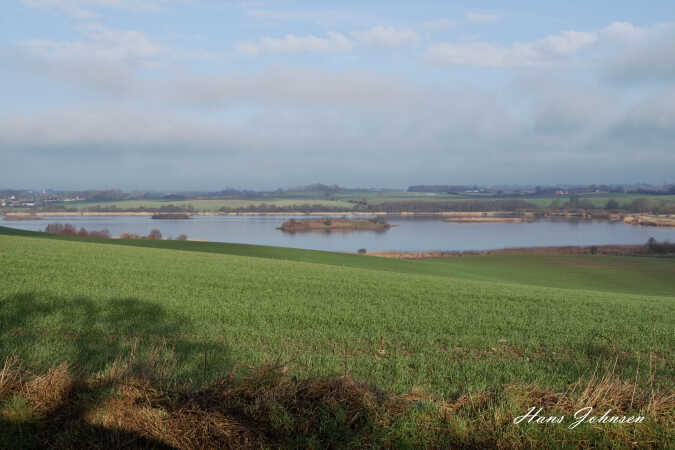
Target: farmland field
column 342, row 200
column 209, row 205
column 447, row 328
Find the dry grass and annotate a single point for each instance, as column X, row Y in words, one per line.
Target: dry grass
column 603, row 393
column 135, row 403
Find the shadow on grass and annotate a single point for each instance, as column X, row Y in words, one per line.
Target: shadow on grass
column 43, row 330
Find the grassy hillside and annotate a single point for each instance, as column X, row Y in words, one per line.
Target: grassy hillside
column 638, row 275
column 447, row 328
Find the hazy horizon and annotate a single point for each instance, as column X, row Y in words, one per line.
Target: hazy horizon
column 304, row 187
column 181, row 95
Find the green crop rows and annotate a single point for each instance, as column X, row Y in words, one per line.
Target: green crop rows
column 443, row 326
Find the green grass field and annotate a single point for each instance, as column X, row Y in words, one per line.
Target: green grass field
column 341, row 201
column 211, row 205
column 447, row 327
column 600, row 200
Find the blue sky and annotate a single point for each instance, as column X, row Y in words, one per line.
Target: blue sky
column 204, row 94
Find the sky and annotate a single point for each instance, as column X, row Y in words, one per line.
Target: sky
column 209, row 94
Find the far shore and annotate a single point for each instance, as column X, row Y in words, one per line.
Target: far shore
column 449, row 216
column 607, row 250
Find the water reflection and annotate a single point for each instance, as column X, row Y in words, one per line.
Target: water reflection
column 408, row 233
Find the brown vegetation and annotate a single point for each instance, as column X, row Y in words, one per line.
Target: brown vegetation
column 18, row 217
column 70, row 230
column 153, row 235
column 651, row 220
column 475, row 219
column 136, row 404
column 652, row 247
column 172, row 216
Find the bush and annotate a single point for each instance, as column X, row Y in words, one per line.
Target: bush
column 54, row 228
column 362, row 251
column 612, row 204
column 660, row 248
column 103, row 234
column 585, row 204
column 69, row 230
column 182, row 237
column 155, row 235
column 639, row 205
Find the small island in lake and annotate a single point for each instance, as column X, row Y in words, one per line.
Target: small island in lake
column 330, row 224
column 486, row 217
column 171, row 216
column 22, row 217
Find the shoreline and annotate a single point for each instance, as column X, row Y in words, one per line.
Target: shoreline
column 649, row 220
column 449, row 214
column 605, row 250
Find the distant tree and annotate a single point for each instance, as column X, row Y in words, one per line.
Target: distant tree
column 54, row 228
column 665, row 247
column 83, row 232
column 640, row 205
column 362, row 251
column 69, row 230
column 585, row 204
column 612, row 204
column 182, row 237
column 102, row 234
column 155, row 235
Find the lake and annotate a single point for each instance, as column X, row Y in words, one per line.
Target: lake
column 418, row 233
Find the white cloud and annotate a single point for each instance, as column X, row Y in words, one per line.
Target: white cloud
column 621, row 50
column 87, row 9
column 643, row 54
column 438, row 24
column 333, row 42
column 482, row 17
column 533, row 54
column 99, row 44
column 381, row 36
column 320, row 17
column 624, row 31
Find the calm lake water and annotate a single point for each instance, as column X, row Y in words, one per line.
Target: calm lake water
column 408, row 234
